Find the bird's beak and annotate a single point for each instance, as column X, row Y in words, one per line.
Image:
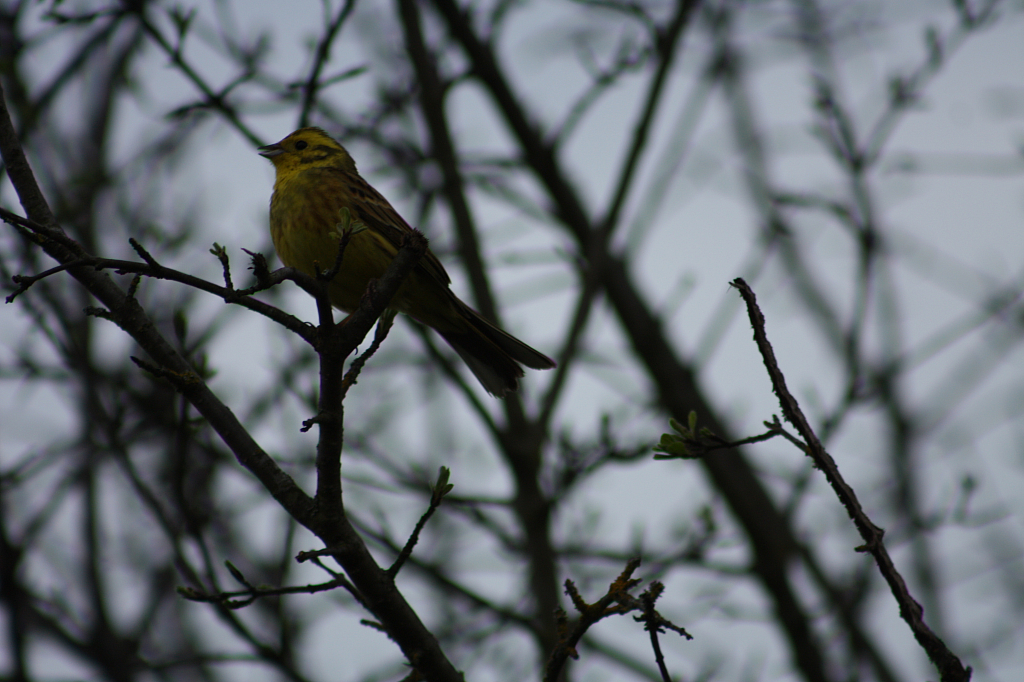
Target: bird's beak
column 270, row 151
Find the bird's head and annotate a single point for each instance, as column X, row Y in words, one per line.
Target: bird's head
column 307, row 148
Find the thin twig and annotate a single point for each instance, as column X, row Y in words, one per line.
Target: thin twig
column 311, row 88
column 438, row 491
column 230, row 599
column 949, row 666
column 241, row 297
column 616, row 602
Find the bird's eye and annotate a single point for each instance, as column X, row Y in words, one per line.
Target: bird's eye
column 301, row 144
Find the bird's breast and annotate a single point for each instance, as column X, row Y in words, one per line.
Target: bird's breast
column 306, row 222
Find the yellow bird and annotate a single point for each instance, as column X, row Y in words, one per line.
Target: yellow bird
column 316, row 188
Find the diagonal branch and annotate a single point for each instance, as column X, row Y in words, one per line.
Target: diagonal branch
column 949, row 666
column 311, row 88
column 667, row 46
column 398, row 618
column 126, row 312
column 442, row 148
column 676, row 380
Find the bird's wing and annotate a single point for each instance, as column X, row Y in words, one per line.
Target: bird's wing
column 381, row 217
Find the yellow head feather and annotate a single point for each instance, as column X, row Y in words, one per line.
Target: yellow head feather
column 307, row 148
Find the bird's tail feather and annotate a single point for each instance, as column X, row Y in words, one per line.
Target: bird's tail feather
column 494, row 356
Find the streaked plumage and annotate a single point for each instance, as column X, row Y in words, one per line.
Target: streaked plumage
column 316, row 179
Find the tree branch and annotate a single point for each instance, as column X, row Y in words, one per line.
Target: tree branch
column 949, row 666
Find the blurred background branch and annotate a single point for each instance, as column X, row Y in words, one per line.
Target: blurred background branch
column 592, row 174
